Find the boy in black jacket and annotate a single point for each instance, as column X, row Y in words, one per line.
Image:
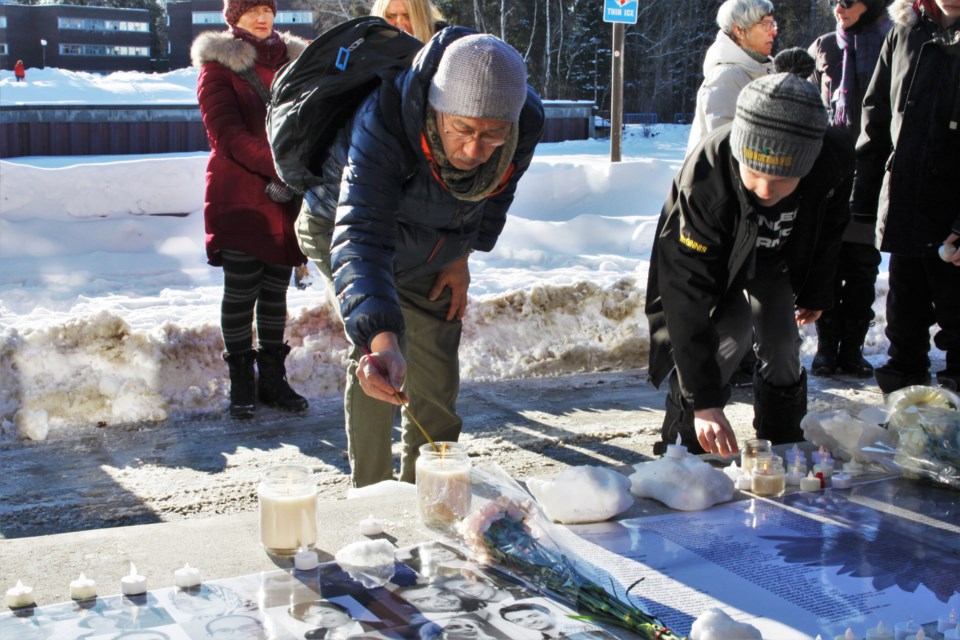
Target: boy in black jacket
column 748, row 241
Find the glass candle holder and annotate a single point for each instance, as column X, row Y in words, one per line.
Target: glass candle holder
column 288, row 509
column 769, row 478
column 751, row 449
column 443, row 484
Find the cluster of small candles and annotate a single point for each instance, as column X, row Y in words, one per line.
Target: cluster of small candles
column 909, row 630
column 84, row 588
column 765, row 474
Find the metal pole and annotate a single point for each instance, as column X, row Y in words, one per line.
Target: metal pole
column 616, row 94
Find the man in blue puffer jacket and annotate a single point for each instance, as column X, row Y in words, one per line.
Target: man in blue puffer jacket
column 395, row 222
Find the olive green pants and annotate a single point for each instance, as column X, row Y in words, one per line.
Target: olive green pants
column 430, row 345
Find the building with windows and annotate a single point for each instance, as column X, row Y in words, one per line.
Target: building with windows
column 188, row 19
column 73, row 37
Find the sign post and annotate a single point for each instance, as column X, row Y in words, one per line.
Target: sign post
column 619, row 12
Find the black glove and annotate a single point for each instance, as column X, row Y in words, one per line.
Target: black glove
column 279, row 192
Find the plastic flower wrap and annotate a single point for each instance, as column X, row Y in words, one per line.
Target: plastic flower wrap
column 927, row 423
column 509, row 531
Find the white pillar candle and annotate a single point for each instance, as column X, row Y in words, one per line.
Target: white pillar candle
column 83, row 588
column 879, row 632
column 186, row 577
column 903, row 629
column 841, row 480
column 305, row 560
column 288, row 510
column 948, row 622
column 443, row 484
column 133, row 584
column 20, row 596
column 810, row 483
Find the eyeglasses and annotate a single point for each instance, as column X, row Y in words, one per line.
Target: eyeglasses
column 768, row 25
column 468, row 135
column 846, row 4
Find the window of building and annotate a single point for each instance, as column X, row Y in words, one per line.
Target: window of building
column 89, row 24
column 207, row 17
column 104, row 50
column 3, row 49
column 3, row 22
column 294, row 17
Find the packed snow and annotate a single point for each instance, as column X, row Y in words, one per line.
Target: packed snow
column 109, row 312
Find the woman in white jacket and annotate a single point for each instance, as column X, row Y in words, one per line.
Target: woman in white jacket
column 741, row 53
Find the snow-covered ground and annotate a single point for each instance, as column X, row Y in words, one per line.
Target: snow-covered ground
column 109, row 312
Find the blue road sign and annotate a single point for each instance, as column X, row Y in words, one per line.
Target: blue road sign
column 620, row 11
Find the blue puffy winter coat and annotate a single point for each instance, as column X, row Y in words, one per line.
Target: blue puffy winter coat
column 395, row 220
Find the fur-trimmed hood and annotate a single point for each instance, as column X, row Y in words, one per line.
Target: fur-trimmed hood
column 902, row 13
column 234, row 53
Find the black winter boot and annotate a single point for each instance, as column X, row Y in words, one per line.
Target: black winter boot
column 777, row 411
column 828, row 342
column 850, row 356
column 890, row 378
column 678, row 420
column 241, row 383
column 272, row 387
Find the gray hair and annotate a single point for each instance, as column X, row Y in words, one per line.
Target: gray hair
column 742, row 13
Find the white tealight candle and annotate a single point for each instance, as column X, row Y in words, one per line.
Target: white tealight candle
column 676, row 450
column 879, row 632
column 20, row 596
column 841, row 480
column 949, row 622
column 853, row 467
column 305, row 560
column 825, row 467
column 133, row 584
column 186, row 577
column 744, row 482
column 810, row 483
column 795, row 475
column 903, row 629
column 848, row 635
column 952, row 634
column 83, row 588
column 819, row 455
column 920, row 635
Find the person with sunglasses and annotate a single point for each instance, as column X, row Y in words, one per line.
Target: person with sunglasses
column 908, row 160
column 740, row 53
column 393, row 226
column 845, row 60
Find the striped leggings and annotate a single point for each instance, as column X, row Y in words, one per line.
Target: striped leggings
column 249, row 284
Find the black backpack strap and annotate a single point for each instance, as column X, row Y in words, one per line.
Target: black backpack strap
column 259, row 88
column 391, row 108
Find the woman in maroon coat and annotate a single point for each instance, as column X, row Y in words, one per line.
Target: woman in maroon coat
column 248, row 212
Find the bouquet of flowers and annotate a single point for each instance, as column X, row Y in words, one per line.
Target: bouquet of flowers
column 510, row 532
column 927, row 423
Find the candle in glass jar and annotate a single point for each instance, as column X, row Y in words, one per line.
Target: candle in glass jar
column 948, row 622
column 879, row 632
column 20, row 596
column 768, row 478
column 133, row 584
column 187, row 577
column 288, row 509
column 83, row 588
column 751, row 449
column 443, row 483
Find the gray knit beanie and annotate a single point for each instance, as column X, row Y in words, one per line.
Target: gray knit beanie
column 480, row 76
column 780, row 120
